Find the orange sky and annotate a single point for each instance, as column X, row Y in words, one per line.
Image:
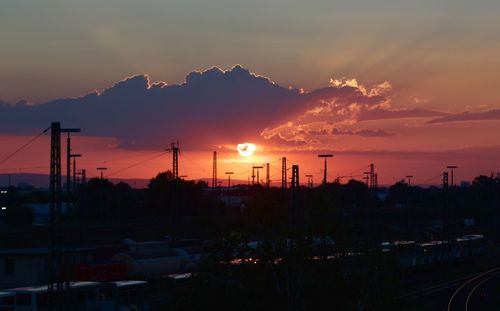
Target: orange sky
column 408, row 85
column 391, row 167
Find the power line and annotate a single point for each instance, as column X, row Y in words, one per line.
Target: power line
column 23, row 168
column 115, row 159
column 24, row 146
column 136, row 164
column 192, row 161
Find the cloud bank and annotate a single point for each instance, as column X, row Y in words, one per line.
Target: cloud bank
column 216, row 107
column 468, row 116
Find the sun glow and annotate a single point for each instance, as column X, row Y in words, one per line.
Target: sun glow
column 246, row 149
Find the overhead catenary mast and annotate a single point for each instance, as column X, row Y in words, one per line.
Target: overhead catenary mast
column 268, row 178
column 254, row 168
column 295, row 177
column 54, row 284
column 283, row 173
column 74, row 156
column 214, row 171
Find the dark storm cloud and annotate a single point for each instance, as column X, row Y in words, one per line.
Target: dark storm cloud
column 211, row 107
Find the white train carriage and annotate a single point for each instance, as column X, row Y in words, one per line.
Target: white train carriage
column 36, row 298
column 121, row 296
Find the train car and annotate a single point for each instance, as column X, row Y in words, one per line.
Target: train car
column 36, row 298
column 146, row 264
column 404, row 250
column 7, row 301
column 470, row 245
column 429, row 254
column 121, row 296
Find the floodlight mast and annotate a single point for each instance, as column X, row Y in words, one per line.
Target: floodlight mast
column 325, row 174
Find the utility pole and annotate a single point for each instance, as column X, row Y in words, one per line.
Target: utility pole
column 54, row 285
column 310, row 181
column 372, row 176
column 74, row 156
column 452, row 167
column 408, row 179
column 445, row 181
column 56, row 260
column 325, row 174
column 84, row 176
column 101, row 169
column 253, row 174
column 174, row 148
column 366, row 178
column 268, row 178
column 295, row 176
column 283, row 173
column 229, row 186
column 175, row 160
column 68, row 157
column 101, row 194
column 229, row 180
column 214, row 172
column 294, row 200
column 445, row 199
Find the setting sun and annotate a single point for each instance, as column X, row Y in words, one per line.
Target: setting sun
column 246, row 149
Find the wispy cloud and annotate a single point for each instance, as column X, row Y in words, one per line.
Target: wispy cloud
column 468, row 116
column 362, row 132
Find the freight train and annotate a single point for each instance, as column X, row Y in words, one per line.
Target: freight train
column 411, row 254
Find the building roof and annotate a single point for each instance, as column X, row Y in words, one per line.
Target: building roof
column 138, row 255
column 128, row 283
column 37, row 251
column 43, row 288
column 180, row 276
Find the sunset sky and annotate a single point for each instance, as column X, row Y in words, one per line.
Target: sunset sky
column 411, row 86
